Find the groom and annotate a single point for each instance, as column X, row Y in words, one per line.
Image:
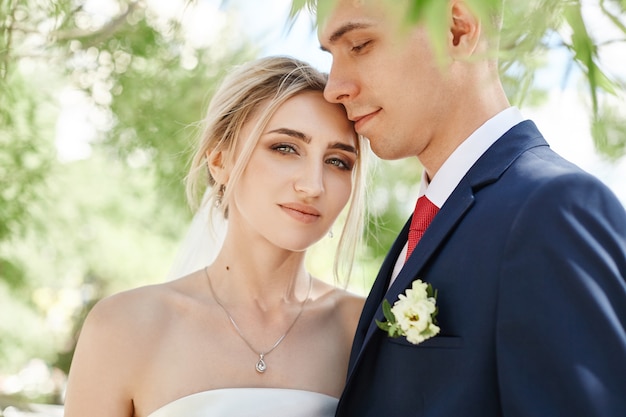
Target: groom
column 527, row 251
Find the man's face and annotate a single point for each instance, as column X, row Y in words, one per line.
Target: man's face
column 386, row 76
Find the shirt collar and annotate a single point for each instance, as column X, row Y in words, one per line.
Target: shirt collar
column 466, row 155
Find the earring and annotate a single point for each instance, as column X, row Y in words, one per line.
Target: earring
column 220, row 196
column 331, row 234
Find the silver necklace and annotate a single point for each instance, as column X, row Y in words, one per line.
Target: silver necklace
column 261, row 366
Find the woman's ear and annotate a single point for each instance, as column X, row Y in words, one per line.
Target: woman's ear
column 217, row 165
column 465, row 28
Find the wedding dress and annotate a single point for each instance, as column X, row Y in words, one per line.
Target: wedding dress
column 251, row 402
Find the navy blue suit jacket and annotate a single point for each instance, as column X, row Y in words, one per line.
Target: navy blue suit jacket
column 528, row 255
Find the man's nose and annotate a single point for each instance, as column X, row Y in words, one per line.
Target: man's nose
column 340, row 87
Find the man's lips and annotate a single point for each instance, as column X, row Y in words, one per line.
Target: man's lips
column 360, row 121
column 301, row 212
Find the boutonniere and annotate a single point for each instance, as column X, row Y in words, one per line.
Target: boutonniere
column 413, row 314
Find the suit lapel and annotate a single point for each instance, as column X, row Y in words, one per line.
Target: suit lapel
column 441, row 226
column 485, row 171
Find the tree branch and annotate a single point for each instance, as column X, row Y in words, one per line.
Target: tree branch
column 104, row 32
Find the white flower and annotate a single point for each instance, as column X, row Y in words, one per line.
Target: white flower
column 413, row 314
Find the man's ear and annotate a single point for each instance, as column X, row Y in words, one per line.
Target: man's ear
column 465, row 29
column 217, row 164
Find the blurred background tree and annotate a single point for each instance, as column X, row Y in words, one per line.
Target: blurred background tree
column 98, row 101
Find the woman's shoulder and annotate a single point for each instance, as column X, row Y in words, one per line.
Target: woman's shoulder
column 143, row 308
column 342, row 303
column 325, row 290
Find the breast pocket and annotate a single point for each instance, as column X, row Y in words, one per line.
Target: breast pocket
column 437, row 342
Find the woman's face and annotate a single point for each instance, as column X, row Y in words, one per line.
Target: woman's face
column 299, row 176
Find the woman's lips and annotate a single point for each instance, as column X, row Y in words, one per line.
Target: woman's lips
column 300, row 212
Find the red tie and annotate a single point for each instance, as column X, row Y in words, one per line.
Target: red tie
column 424, row 213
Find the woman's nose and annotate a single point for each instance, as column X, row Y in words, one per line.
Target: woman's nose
column 311, row 180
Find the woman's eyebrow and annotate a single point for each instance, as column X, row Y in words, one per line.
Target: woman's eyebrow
column 344, row 147
column 293, row 133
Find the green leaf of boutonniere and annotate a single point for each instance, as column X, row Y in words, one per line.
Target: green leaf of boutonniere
column 391, row 325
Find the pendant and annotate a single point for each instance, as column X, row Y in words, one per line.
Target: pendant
column 260, row 365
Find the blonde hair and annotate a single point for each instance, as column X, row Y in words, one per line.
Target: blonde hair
column 258, row 89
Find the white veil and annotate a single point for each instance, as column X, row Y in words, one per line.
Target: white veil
column 201, row 243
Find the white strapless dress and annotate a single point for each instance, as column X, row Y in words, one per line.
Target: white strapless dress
column 251, row 402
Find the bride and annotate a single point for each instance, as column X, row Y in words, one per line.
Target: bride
column 252, row 333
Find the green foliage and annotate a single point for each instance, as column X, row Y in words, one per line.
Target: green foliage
column 523, row 47
column 586, row 54
column 22, row 331
column 106, row 231
column 609, row 131
column 73, row 232
column 26, row 160
column 26, row 155
column 155, row 91
column 156, row 112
